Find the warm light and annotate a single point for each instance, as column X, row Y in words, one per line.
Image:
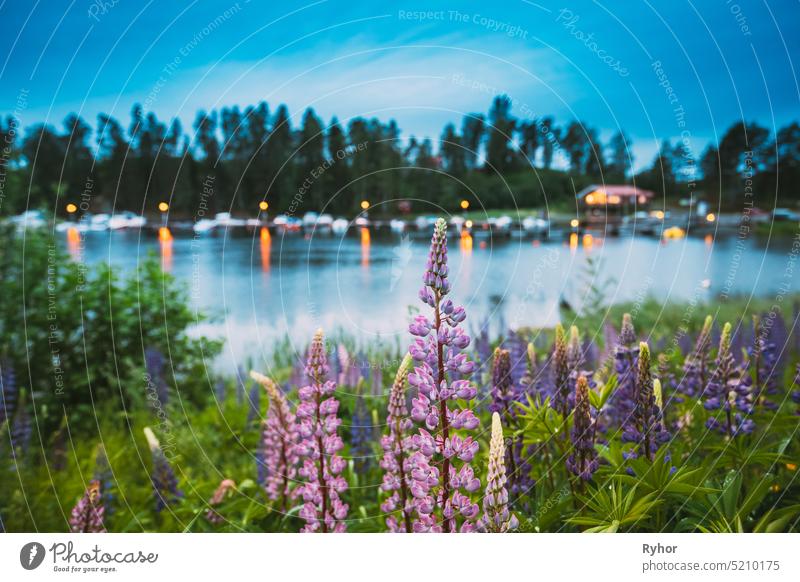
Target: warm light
column 263, row 205
column 164, row 234
column 775, row 488
column 165, row 242
column 468, row 224
column 574, row 223
column 163, row 206
column 708, row 240
column 588, row 241
column 710, row 217
column 590, row 199
column 364, row 204
column 674, row 232
column 791, row 466
column 614, row 199
column 642, row 199
column 465, row 204
column 71, row 208
column 596, row 197
column 659, row 214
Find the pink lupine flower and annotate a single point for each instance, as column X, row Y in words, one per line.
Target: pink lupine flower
column 279, row 441
column 319, row 444
column 225, row 487
column 398, row 448
column 441, row 474
column 496, row 516
column 87, row 515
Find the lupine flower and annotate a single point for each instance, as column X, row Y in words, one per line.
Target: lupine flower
column 561, row 373
column 154, row 362
column 502, row 383
column 279, row 440
column 225, row 487
column 765, row 365
column 165, row 484
column 626, row 357
column 519, row 480
column 728, row 391
column 361, row 436
column 583, row 459
column 496, row 516
column 398, row 449
column 8, row 390
column 574, row 350
column 697, row 363
column 442, row 475
column 319, row 444
column 645, row 427
column 516, row 351
column 87, row 515
column 528, row 384
column 796, row 384
column 253, row 404
column 104, row 476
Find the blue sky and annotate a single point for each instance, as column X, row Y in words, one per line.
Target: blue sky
column 720, row 61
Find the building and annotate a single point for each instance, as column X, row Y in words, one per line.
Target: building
column 610, row 203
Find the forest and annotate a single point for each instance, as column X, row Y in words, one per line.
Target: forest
column 254, row 153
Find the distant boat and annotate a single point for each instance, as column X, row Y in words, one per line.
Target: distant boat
column 535, row 225
column 29, row 219
column 225, row 219
column 99, row 222
column 126, row 219
column 362, row 221
column 340, row 226
column 204, row 225
column 397, row 225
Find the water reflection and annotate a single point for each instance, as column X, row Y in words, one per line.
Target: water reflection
column 165, row 242
column 266, row 248
column 365, row 244
column 74, row 243
column 466, row 242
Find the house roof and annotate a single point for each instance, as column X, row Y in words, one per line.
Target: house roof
column 621, row 190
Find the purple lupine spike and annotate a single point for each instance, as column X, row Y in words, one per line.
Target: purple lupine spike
column 645, row 426
column 516, row 351
column 496, row 516
column 574, row 350
column 529, row 383
column 319, row 444
column 561, row 373
column 253, row 404
column 398, row 450
column 8, row 390
column 361, row 436
column 279, row 441
column 225, row 488
column 696, row 365
column 766, row 365
column 796, row 391
column 154, row 362
column 442, row 476
column 729, row 392
column 626, row 358
column 502, row 384
column 87, row 515
column 344, row 364
column 165, row 483
column 582, row 461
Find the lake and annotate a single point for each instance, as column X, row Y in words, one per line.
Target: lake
column 262, row 286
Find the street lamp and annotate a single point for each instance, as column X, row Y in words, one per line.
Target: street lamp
column 364, row 204
column 574, row 223
column 71, row 208
column 710, row 217
column 464, row 204
column 263, row 205
column 163, row 206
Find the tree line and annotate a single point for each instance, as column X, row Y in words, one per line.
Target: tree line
column 254, row 154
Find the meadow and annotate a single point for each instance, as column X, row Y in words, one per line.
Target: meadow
column 640, row 417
